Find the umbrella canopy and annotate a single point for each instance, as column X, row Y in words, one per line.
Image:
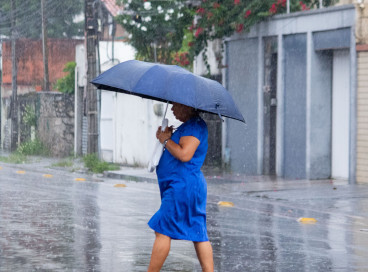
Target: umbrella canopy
column 169, row 83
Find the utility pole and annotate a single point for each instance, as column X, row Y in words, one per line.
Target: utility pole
column 91, row 91
column 46, row 85
column 14, row 98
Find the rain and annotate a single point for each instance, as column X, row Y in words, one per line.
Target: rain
column 282, row 87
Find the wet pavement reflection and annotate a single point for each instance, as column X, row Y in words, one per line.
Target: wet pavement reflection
column 60, row 224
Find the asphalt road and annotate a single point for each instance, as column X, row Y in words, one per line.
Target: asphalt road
column 55, row 220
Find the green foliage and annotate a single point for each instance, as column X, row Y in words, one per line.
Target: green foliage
column 95, row 165
column 67, row 83
column 217, row 19
column 14, row 158
column 182, row 31
column 63, row 163
column 33, row 147
column 60, row 16
column 29, row 116
column 159, row 24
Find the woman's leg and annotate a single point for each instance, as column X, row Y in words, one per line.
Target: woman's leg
column 160, row 250
column 205, row 256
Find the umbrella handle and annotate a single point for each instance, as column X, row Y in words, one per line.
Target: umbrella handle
column 167, row 105
column 218, row 112
column 158, row 150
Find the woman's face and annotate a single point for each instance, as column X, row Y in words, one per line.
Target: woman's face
column 181, row 112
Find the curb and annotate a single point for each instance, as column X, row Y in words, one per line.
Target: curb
column 137, row 178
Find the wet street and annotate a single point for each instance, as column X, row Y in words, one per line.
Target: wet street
column 55, row 220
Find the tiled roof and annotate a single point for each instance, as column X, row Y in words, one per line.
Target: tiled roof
column 112, row 7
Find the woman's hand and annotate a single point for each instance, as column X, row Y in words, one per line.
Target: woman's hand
column 183, row 151
column 162, row 136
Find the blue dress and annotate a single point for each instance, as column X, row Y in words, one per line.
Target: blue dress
column 183, row 189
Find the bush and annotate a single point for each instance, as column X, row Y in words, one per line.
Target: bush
column 93, row 163
column 14, row 158
column 32, row 147
column 66, row 84
column 29, row 116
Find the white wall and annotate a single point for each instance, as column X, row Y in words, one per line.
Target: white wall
column 128, row 123
column 340, row 114
column 199, row 67
column 134, row 128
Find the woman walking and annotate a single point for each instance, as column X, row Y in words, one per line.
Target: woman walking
column 183, row 189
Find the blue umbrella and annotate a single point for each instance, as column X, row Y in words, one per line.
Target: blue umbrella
column 169, row 83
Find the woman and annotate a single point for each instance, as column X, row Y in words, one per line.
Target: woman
column 183, row 189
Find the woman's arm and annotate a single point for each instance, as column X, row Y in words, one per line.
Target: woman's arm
column 183, row 151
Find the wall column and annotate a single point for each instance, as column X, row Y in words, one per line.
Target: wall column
column 280, row 108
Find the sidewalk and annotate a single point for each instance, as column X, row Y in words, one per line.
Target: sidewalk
column 132, row 173
column 219, row 177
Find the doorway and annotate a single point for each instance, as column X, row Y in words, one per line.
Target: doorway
column 340, row 114
column 269, row 106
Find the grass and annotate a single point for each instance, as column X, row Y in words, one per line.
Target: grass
column 91, row 161
column 64, row 163
column 15, row 158
column 30, row 148
column 33, row 148
column 95, row 165
column 72, row 163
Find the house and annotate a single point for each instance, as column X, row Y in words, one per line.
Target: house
column 300, row 80
column 30, row 63
column 51, row 108
column 110, row 29
column 127, row 123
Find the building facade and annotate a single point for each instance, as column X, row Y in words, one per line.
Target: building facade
column 295, row 80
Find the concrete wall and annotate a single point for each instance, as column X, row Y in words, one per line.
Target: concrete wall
column 295, row 106
column 305, row 42
column 242, row 83
column 55, row 126
column 362, row 122
column 213, row 55
column 55, row 121
column 320, row 115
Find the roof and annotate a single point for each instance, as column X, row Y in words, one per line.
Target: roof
column 112, row 7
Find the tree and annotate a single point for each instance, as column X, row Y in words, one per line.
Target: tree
column 156, row 28
column 217, row 19
column 60, row 16
column 67, row 83
column 182, row 31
